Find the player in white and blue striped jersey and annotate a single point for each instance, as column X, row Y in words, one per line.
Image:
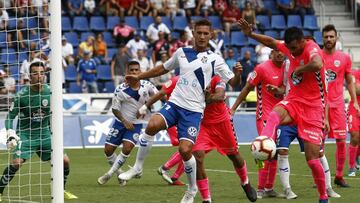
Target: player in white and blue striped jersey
column 128, row 98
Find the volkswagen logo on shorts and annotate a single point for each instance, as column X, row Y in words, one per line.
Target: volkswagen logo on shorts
column 192, row 131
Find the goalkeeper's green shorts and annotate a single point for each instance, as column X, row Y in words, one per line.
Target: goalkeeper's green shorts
column 26, row 147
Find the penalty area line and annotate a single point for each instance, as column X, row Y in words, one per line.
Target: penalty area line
column 21, row 200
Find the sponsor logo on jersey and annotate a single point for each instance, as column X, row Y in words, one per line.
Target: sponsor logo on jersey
column 37, row 116
column 192, row 131
column 330, row 75
column 336, row 63
column 296, row 79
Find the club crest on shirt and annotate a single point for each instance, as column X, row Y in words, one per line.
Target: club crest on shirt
column 45, row 102
column 336, row 63
column 192, row 131
column 204, row 59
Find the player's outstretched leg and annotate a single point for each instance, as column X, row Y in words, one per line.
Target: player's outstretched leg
column 67, row 194
column 329, row 190
column 284, row 173
column 164, row 169
column 340, row 163
column 185, row 148
column 201, row 178
column 241, row 170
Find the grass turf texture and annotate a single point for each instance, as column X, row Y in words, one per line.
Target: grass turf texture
column 88, row 164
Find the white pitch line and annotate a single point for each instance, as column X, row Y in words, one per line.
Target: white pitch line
column 24, row 201
column 292, row 174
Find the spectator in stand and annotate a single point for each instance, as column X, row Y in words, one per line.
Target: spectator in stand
column 173, row 7
column 188, row 29
column 8, row 5
column 9, row 81
column 44, row 42
column 75, row 7
column 249, row 14
column 230, row 59
column 67, row 51
column 100, row 50
column 143, row 60
column 258, row 6
column 262, row 53
column 24, row 69
column 125, row 7
column 158, row 81
column 123, row 33
column 90, row 6
column 16, row 38
column 142, row 8
column 231, row 14
column 248, row 66
column 158, row 8
column 21, row 7
column 161, row 46
column 220, row 6
column 286, row 7
column 153, row 30
column 189, row 7
column 4, row 18
column 118, row 65
column 183, row 40
column 216, row 43
column 304, row 7
column 87, row 46
column 103, row 8
column 41, row 7
column 86, row 76
column 204, row 8
column 134, row 45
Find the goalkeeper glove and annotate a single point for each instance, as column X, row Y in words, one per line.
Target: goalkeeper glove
column 12, row 139
column 260, row 164
column 143, row 110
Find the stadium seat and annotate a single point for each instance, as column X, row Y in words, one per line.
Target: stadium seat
column 112, row 21
column 278, row 22
column 32, row 22
column 310, row 22
column 80, row 23
column 3, row 39
column 318, row 37
column 108, row 38
column 8, row 56
column 97, row 23
column 70, row 73
column 216, row 22
column 131, row 21
column 72, row 38
column 145, row 21
column 23, row 55
column 167, row 21
column 307, row 33
column 108, row 87
column 263, row 22
column 65, row 23
column 74, row 88
column 294, row 21
column 85, row 35
column 271, row 4
column 12, row 23
column 15, row 72
column 272, row 33
column 226, row 39
column 103, row 72
column 195, row 18
column 112, row 52
column 180, row 23
column 238, row 39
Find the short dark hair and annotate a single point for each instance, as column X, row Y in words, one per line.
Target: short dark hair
column 293, row 33
column 203, row 22
column 329, row 27
column 134, row 62
column 35, row 64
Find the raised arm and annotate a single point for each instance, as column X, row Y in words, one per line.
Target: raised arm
column 236, row 80
column 314, row 65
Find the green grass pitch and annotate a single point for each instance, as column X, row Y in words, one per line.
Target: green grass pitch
column 88, row 164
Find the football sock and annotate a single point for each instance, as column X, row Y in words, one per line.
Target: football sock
column 145, row 142
column 203, row 186
column 262, row 176
column 340, row 158
column 272, row 122
column 111, row 159
column 284, row 170
column 319, row 177
column 325, row 165
column 66, row 174
column 174, row 159
column 271, row 174
column 120, row 160
column 179, row 170
column 7, row 176
column 242, row 173
column 352, row 155
column 190, row 170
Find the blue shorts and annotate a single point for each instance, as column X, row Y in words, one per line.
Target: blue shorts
column 118, row 133
column 187, row 122
column 285, row 135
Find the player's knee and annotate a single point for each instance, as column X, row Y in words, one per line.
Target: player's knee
column 185, row 151
column 154, row 126
column 283, row 152
column 108, row 150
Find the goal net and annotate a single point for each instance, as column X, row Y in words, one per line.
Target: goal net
column 25, row 38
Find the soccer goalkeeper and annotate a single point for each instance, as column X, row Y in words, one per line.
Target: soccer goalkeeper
column 32, row 106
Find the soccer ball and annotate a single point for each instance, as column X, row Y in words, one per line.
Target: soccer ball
column 263, row 148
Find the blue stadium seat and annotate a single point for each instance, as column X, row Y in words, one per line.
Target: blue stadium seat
column 307, row 33
column 263, row 22
column 108, row 87
column 272, row 33
column 85, row 35
column 3, row 39
column 8, row 56
column 252, row 51
column 103, row 72
column 167, row 21
column 32, row 22
column 15, row 72
column 271, row 4
column 294, row 21
column 70, row 73
column 112, row 52
column 310, row 22
column 74, row 88
column 278, row 22
column 180, row 23
column 65, row 23
column 216, row 22
column 132, row 22
column 238, row 39
column 195, row 18
column 22, row 56
column 108, row 38
column 145, row 21
column 318, row 38
column 226, row 39
column 97, row 23
column 80, row 23
column 12, row 23
column 72, row 38
column 112, row 21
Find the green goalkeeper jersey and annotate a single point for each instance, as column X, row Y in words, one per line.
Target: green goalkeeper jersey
column 33, row 111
